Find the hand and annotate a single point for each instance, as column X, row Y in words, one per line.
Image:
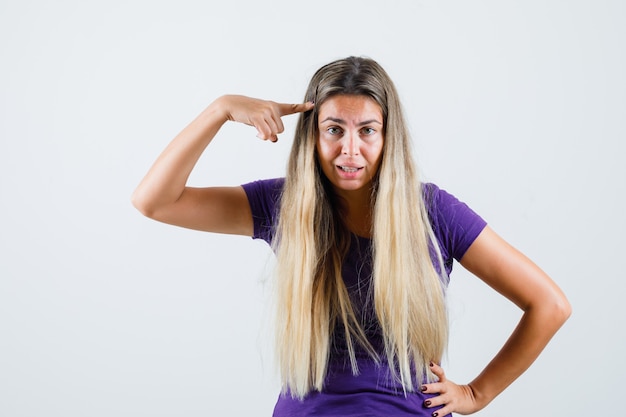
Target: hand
column 264, row 115
column 454, row 398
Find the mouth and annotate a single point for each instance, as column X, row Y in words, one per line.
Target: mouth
column 349, row 169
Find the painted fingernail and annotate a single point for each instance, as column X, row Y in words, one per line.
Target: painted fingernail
column 432, row 364
column 423, row 388
column 435, row 414
column 427, row 403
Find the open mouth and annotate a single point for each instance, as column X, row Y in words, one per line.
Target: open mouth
column 348, row 169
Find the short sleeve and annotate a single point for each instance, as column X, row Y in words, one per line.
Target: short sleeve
column 264, row 199
column 455, row 225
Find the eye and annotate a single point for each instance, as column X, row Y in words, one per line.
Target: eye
column 334, row 130
column 368, row 131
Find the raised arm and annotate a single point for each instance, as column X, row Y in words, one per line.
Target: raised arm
column 545, row 309
column 163, row 194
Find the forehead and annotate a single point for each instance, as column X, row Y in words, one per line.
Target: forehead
column 350, row 108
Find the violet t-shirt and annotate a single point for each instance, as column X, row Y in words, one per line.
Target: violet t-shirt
column 373, row 392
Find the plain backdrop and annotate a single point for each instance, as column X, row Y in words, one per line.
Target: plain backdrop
column 516, row 107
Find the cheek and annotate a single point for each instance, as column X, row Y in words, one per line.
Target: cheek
column 324, row 152
column 375, row 152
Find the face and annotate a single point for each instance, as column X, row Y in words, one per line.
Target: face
column 350, row 141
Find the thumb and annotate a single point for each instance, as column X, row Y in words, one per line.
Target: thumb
column 438, row 371
column 286, row 109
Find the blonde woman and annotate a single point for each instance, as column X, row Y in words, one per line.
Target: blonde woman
column 363, row 251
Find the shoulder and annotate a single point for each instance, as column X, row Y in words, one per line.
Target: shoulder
column 443, row 205
column 454, row 223
column 436, row 197
column 264, row 200
column 268, row 190
column 265, row 185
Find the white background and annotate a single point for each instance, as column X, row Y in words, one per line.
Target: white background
column 517, row 107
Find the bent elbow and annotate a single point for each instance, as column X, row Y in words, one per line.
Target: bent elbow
column 561, row 310
column 565, row 309
column 142, row 204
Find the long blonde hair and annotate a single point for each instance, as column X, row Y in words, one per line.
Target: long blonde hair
column 312, row 240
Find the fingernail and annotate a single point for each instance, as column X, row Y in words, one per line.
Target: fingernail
column 432, row 364
column 435, row 414
column 423, row 388
column 427, row 403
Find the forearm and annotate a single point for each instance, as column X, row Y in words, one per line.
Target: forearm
column 167, row 178
column 529, row 338
column 545, row 308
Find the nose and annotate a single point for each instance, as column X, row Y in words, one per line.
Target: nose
column 350, row 145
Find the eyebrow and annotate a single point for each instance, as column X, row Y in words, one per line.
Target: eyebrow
column 341, row 121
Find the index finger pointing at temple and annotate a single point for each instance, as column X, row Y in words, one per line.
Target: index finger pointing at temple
column 286, row 109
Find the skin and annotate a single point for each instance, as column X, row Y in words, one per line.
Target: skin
column 545, row 308
column 163, row 195
column 351, row 134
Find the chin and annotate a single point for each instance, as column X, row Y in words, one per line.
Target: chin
column 350, row 185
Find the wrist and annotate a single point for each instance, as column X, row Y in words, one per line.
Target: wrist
column 481, row 399
column 219, row 109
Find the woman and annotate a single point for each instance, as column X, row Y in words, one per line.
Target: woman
column 363, row 251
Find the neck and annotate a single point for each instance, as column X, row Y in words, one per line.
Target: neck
column 357, row 208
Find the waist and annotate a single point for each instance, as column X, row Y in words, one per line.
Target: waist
column 371, row 392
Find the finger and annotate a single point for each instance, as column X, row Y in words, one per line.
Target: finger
column 437, row 406
column 434, row 388
column 264, row 130
column 270, row 137
column 278, row 123
column 275, row 124
column 436, row 401
column 438, row 371
column 268, row 123
column 442, row 412
column 264, row 124
column 286, row 109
